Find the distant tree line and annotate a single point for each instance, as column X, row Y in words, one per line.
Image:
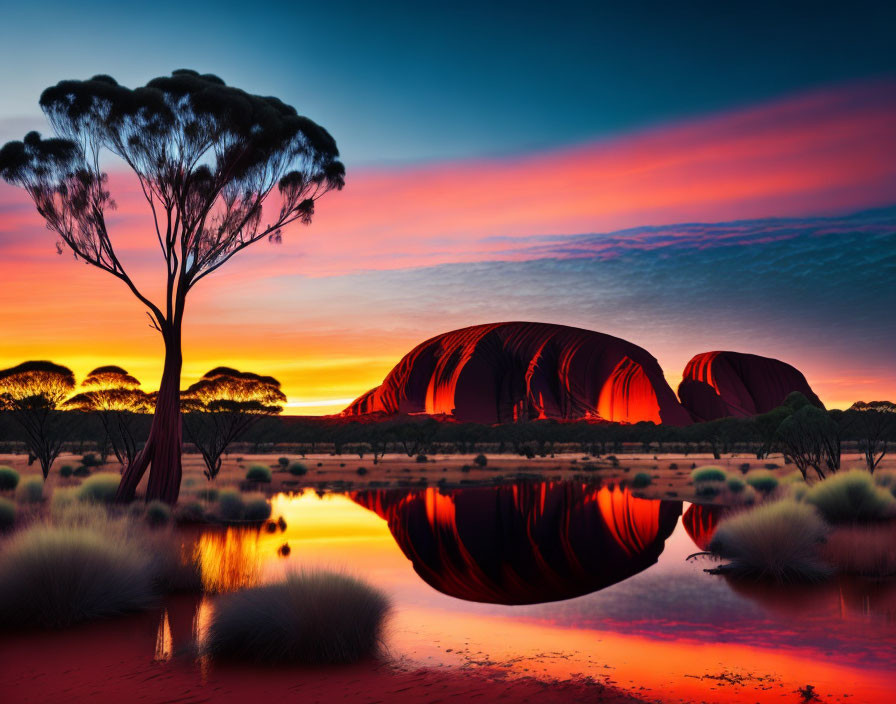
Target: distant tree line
column 43, row 412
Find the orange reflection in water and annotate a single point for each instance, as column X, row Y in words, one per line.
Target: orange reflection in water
column 431, row 629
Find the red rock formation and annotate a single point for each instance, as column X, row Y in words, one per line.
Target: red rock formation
column 506, row 372
column 722, row 384
column 524, row 543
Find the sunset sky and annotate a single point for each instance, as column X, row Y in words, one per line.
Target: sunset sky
column 688, row 179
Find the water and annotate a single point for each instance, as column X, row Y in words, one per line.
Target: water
column 559, row 579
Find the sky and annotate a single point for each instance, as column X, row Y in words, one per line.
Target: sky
column 687, row 176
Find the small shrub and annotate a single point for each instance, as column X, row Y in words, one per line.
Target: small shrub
column 310, row 618
column 66, row 470
column 258, row 473
column 297, row 469
column 7, row 514
column 673, row 465
column 361, row 471
column 229, row 505
column 779, row 541
column 709, row 474
column 641, row 480
column 9, row 478
column 708, row 489
column 851, row 497
column 764, row 482
column 210, row 495
column 158, row 513
column 283, row 462
column 613, row 460
column 91, row 460
column 465, row 468
column 745, row 467
column 100, row 488
column 81, row 471
column 771, row 465
column 256, row 509
column 480, row 460
column 421, row 458
column 95, row 574
column 30, row 491
column 190, row 512
column 736, row 485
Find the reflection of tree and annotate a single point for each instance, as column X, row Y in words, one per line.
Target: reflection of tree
column 228, row 558
column 115, row 397
column 32, row 394
column 222, row 406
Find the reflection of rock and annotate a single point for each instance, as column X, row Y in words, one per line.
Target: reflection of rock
column 505, row 372
column 722, row 384
column 524, row 544
column 700, row 522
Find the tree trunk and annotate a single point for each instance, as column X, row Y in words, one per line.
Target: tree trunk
column 162, row 452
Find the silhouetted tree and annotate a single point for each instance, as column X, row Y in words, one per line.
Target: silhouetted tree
column 223, row 405
column 807, row 438
column 31, row 393
column 115, row 397
column 874, row 425
column 207, row 156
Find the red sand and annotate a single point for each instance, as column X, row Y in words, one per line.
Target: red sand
column 109, row 662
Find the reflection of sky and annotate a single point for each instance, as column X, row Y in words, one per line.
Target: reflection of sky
column 673, row 602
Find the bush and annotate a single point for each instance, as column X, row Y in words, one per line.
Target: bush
column 421, row 458
column 480, row 460
column 709, row 474
column 258, row 473
column 230, row 505
column 361, row 471
column 779, row 541
column 283, row 462
column 673, row 465
column 311, row 618
column 851, row 497
column 95, row 574
column 190, row 512
column 100, row 488
column 613, row 460
column 158, row 513
column 81, row 471
column 66, row 470
column 641, row 479
column 30, row 491
column 736, row 485
column 256, row 509
column 7, row 514
column 766, row 482
column 9, row 478
column 91, row 460
column 297, row 469
column 745, row 467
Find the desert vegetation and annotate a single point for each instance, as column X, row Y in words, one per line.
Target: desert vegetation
column 309, row 617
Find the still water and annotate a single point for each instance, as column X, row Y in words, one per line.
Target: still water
column 557, row 580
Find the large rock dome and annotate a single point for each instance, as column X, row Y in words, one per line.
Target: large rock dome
column 722, row 384
column 507, row 372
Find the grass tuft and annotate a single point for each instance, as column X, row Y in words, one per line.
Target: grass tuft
column 58, row 576
column 9, row 478
column 778, row 541
column 7, row 514
column 100, row 488
column 297, row 469
column 258, row 473
column 641, row 480
column 158, row 513
column 310, row 617
column 30, row 490
column 709, row 474
column 851, row 497
column 762, row 481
